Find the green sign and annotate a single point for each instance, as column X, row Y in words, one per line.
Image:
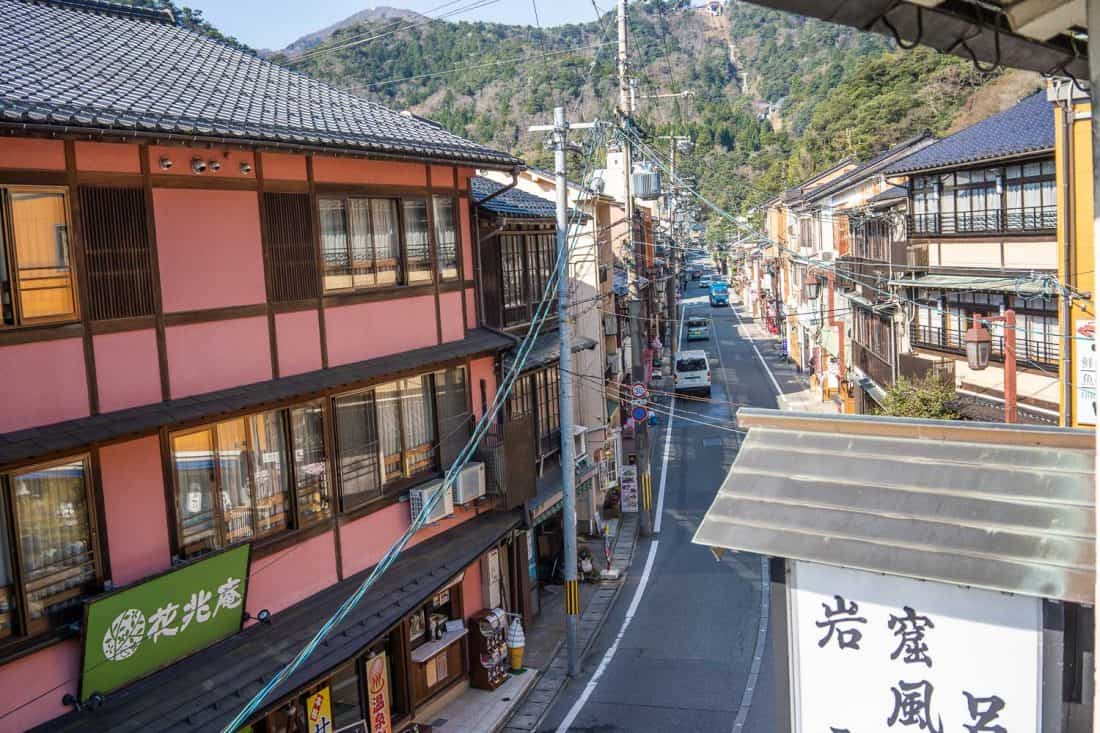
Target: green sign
column 138, row 630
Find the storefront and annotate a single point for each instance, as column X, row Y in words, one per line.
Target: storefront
column 403, row 648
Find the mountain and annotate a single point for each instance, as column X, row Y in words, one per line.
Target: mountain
column 370, row 16
column 773, row 98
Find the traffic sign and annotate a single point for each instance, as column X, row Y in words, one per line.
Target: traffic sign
column 639, row 414
column 639, row 391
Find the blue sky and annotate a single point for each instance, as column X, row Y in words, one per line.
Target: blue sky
column 275, row 23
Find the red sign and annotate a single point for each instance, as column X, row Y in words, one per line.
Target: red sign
column 378, row 682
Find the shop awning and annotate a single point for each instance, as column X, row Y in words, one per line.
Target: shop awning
column 1023, row 287
column 205, row 691
column 546, row 350
column 1006, row 508
column 74, row 435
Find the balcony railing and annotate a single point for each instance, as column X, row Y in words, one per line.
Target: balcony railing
column 1028, row 350
column 1025, row 219
column 873, row 365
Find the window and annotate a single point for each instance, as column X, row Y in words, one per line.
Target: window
column 45, row 516
column 387, row 436
column 547, row 390
column 455, row 418
column 519, row 403
column 117, row 252
column 1019, row 197
column 446, row 236
column 344, row 688
column 360, row 243
column 418, row 254
column 527, row 264
column 236, row 482
column 288, row 239
column 37, row 283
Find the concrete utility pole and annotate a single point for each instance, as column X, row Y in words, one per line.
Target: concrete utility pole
column 1093, row 10
column 637, row 330
column 560, row 130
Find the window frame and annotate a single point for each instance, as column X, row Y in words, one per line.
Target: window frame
column 457, row 213
column 402, row 256
column 389, row 490
column 295, row 523
column 11, row 258
column 24, row 630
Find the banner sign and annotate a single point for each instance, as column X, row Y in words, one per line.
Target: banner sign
column 1084, row 371
column 137, row 630
column 628, row 487
column 884, row 653
column 378, row 694
column 319, row 710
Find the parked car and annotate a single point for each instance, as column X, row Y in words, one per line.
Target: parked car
column 698, row 329
column 692, row 373
column 704, row 281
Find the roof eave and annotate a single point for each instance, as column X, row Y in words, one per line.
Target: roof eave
column 971, row 162
column 503, row 162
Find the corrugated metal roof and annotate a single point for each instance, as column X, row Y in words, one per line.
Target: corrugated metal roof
column 1008, row 508
column 1026, row 287
column 91, row 65
column 1026, row 128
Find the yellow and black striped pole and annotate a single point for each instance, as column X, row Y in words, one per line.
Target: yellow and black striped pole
column 572, row 598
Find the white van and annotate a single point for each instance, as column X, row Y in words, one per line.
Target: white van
column 692, row 371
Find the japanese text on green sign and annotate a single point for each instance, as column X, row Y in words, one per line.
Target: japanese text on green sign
column 138, row 630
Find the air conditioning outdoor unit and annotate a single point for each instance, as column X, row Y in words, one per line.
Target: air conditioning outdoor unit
column 613, row 365
column 470, row 484
column 610, row 324
column 445, row 507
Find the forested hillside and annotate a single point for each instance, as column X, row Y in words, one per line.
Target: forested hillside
column 774, row 97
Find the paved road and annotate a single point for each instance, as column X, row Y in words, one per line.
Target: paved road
column 684, row 659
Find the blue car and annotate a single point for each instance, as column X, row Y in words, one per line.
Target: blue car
column 719, row 294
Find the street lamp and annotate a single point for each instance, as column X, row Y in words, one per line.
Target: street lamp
column 811, row 288
column 979, row 348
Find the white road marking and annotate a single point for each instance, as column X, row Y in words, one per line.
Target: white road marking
column 668, row 432
column 610, row 653
column 759, row 356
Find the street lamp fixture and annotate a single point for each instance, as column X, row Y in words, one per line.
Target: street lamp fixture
column 979, row 348
column 812, row 289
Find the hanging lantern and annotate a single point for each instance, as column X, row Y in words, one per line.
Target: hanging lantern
column 811, row 289
column 979, row 346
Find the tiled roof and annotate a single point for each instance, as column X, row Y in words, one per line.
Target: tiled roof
column 88, row 64
column 872, row 166
column 1025, row 128
column 73, row 435
column 513, row 202
column 890, row 194
column 204, row 691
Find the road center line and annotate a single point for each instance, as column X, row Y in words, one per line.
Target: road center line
column 668, row 431
column 610, row 653
column 752, row 343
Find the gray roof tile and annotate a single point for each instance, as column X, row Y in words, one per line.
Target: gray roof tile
column 91, row 64
column 1028, row 127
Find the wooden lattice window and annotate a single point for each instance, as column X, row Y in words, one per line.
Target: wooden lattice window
column 289, row 244
column 117, row 252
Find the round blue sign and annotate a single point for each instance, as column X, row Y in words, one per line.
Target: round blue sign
column 639, row 413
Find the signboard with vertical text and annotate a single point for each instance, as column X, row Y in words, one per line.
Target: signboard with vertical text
column 378, row 694
column 319, row 711
column 1084, row 371
column 874, row 652
column 628, row 488
column 137, row 630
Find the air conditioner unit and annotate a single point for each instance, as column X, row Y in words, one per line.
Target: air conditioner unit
column 470, row 484
column 610, row 324
column 827, row 256
column 613, row 365
column 445, row 507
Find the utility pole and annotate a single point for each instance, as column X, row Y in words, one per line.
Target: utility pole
column 637, row 326
column 560, row 131
column 675, row 142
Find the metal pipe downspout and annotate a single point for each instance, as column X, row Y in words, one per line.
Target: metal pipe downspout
column 506, row 189
column 1068, row 247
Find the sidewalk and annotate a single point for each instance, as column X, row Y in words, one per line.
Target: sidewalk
column 596, row 602
column 797, row 395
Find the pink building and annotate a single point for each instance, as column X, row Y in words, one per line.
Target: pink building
column 237, row 308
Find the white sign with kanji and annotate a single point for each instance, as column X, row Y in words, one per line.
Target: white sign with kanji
column 886, row 654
